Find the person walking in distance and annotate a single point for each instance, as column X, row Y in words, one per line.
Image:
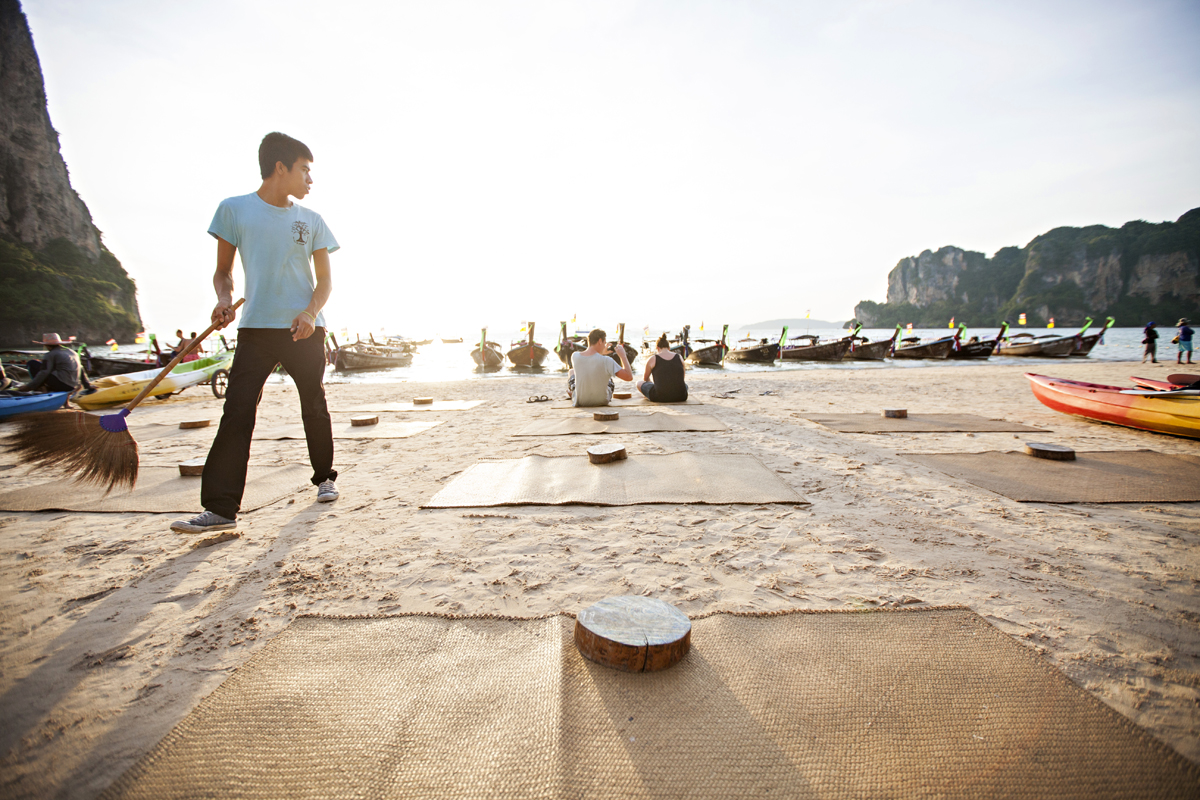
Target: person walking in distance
column 1150, row 339
column 281, row 245
column 1184, row 340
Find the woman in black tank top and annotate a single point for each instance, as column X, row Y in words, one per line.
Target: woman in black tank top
column 663, row 379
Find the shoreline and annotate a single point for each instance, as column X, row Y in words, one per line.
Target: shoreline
column 114, row 628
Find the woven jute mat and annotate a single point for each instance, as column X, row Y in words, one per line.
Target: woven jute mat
column 436, row 405
column 933, row 703
column 713, row 478
column 638, row 399
column 1122, row 476
column 159, row 490
column 914, row 423
column 639, row 423
column 344, row 430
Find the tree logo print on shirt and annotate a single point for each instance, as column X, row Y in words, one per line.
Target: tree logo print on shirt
column 300, row 230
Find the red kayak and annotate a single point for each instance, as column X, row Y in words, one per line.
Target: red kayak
column 1176, row 412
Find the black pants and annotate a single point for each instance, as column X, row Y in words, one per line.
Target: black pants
column 259, row 350
column 51, row 384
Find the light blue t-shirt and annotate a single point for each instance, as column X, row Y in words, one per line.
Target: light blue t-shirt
column 276, row 247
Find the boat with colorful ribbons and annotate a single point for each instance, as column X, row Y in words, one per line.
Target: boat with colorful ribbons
column 871, row 351
column 1175, row 412
column 123, row 388
column 11, row 405
column 765, row 352
column 1084, row 344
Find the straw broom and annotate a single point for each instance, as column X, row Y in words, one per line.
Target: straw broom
column 96, row 450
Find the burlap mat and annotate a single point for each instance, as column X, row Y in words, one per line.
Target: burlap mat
column 932, row 703
column 637, row 400
column 436, row 405
column 159, row 490
column 915, row 423
column 640, row 423
column 714, row 478
column 344, row 430
column 1125, row 476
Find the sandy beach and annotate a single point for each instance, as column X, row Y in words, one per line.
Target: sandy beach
column 114, row 627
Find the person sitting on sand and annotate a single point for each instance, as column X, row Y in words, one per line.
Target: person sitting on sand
column 592, row 370
column 1184, row 339
column 59, row 371
column 1150, row 339
column 663, row 379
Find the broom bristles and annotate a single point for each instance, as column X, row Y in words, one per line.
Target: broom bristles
column 74, row 444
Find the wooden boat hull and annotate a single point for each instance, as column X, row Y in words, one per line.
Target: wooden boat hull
column 123, row 388
column 1177, row 415
column 828, row 351
column 711, row 355
column 1084, row 345
column 871, row 351
column 974, row 350
column 526, row 355
column 492, row 358
column 937, row 350
column 759, row 354
column 103, row 366
column 630, row 353
column 1047, row 348
column 12, row 406
column 349, row 360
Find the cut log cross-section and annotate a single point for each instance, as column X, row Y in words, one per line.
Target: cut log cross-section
column 1053, row 452
column 195, row 423
column 633, row 634
column 606, row 416
column 606, row 453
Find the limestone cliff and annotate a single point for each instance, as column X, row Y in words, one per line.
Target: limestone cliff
column 55, row 273
column 1135, row 273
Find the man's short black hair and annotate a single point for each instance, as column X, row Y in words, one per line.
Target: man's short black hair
column 596, row 336
column 278, row 147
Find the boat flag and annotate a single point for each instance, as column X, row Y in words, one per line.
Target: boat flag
column 1050, row 324
column 646, row 331
column 524, row 325
column 1021, row 319
column 951, row 325
column 910, row 327
column 701, row 326
column 139, row 337
column 112, row 343
column 572, row 318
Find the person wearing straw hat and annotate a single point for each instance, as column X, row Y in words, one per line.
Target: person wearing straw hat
column 281, row 245
column 1184, row 340
column 59, row 371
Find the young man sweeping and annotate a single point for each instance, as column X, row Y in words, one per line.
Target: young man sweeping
column 281, row 324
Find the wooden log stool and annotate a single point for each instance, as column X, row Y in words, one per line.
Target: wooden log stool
column 1053, row 452
column 622, row 395
column 633, row 634
column 422, row 401
column 896, row 413
column 192, row 467
column 605, row 416
column 606, row 453
column 195, row 423
column 364, row 420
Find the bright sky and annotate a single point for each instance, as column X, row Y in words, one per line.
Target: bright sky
column 492, row 161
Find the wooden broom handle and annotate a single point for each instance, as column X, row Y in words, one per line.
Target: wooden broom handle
column 144, row 393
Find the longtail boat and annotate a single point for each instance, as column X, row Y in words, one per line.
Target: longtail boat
column 1174, row 412
column 713, row 354
column 568, row 345
column 939, row 348
column 762, row 353
column 527, row 353
column 681, row 346
column 487, row 354
column 630, row 350
column 361, row 355
column 104, row 366
column 978, row 349
column 1050, row 345
column 1084, row 344
column 863, row 350
column 814, row 349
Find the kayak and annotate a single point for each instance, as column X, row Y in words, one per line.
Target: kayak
column 123, row 388
column 1173, row 412
column 11, row 406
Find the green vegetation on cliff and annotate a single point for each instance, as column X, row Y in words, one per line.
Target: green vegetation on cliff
column 60, row 289
column 1135, row 273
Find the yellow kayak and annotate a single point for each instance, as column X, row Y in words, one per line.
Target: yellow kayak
column 123, row 388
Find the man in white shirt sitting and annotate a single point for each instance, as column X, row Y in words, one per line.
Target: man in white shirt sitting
column 592, row 370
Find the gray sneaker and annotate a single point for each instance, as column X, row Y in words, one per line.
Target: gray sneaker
column 327, row 492
column 208, row 521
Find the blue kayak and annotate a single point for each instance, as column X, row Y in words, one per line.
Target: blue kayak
column 11, row 406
